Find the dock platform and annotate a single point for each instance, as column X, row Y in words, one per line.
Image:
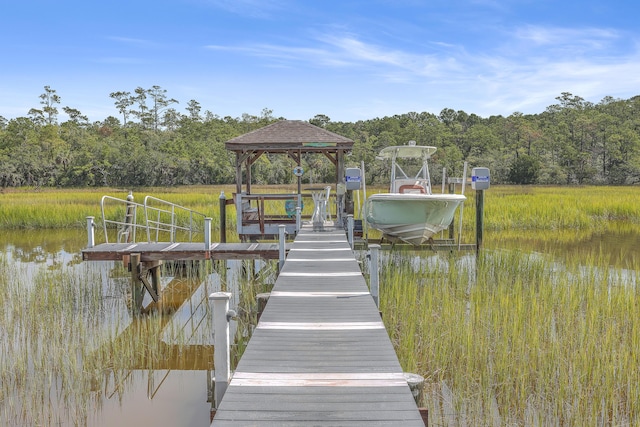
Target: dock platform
column 320, row 354
column 182, row 251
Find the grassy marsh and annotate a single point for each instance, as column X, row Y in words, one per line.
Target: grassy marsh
column 521, row 338
column 525, row 342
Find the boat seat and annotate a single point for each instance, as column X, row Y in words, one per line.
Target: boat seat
column 411, row 188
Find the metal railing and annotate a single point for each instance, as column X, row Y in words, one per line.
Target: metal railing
column 167, row 217
column 159, row 218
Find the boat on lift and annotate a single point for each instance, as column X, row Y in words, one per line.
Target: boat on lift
column 410, row 212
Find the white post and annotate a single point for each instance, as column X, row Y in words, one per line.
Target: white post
column 298, row 218
column 374, row 277
column 350, row 229
column 207, row 233
column 91, row 237
column 281, row 242
column 221, row 345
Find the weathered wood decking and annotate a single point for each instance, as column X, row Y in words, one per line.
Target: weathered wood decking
column 181, row 251
column 320, row 354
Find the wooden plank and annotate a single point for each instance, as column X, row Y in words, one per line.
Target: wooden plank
column 320, row 354
column 182, row 251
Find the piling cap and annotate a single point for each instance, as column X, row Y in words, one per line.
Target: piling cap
column 217, row 296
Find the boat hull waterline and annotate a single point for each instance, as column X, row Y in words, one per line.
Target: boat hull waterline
column 411, row 218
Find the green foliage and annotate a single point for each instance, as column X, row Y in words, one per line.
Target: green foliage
column 524, row 170
column 153, row 144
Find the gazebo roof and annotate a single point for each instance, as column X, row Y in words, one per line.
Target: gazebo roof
column 286, row 135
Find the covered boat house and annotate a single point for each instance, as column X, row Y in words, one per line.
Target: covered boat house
column 293, row 138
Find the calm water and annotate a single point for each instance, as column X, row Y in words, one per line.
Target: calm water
column 176, row 393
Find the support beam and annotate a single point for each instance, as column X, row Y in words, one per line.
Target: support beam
column 136, row 285
column 333, row 159
column 238, row 173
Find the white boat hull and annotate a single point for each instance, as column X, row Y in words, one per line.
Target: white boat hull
column 411, row 218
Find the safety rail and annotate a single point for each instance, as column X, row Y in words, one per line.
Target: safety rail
column 159, row 216
column 169, row 210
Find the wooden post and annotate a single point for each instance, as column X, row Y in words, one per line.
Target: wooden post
column 479, row 219
column 350, row 229
column 238, row 173
column 374, row 274
column 223, row 218
column 136, row 285
column 156, row 276
column 452, row 190
column 221, row 346
column 281, row 244
column 207, row 234
column 416, row 385
column 91, row 237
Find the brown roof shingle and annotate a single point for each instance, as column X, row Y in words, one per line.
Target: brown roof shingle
column 288, row 134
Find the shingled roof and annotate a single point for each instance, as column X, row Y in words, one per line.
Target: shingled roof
column 287, row 135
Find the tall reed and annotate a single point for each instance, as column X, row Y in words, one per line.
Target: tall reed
column 519, row 340
column 68, row 341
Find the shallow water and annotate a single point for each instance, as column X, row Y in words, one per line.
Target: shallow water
column 176, row 391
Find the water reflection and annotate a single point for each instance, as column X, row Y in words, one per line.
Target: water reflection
column 115, row 369
column 619, row 244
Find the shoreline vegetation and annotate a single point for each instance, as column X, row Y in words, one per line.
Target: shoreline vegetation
column 512, row 337
column 507, row 207
column 150, row 143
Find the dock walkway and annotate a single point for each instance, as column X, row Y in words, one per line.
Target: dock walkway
column 320, row 354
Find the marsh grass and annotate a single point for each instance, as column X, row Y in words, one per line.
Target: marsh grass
column 68, row 209
column 67, row 342
column 517, row 340
column 506, row 207
column 528, row 342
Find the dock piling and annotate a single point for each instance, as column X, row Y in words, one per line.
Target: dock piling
column 350, row 223
column 207, row 233
column 221, row 349
column 91, row 235
column 223, row 217
column 374, row 277
column 479, row 219
column 281, row 243
column 136, row 285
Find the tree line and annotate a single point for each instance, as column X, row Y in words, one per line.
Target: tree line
column 151, row 143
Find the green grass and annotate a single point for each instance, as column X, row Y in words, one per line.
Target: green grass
column 506, row 207
column 527, row 343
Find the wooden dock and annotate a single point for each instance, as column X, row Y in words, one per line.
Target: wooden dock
column 320, row 354
column 182, row 251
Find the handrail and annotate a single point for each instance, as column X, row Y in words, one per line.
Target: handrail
column 127, row 228
column 157, row 219
column 159, row 224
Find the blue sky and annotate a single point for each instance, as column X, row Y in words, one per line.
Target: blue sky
column 349, row 60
